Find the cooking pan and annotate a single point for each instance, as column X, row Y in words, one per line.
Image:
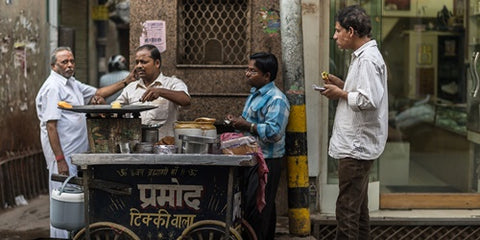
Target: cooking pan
column 108, row 108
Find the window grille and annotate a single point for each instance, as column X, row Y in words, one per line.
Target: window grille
column 213, row 32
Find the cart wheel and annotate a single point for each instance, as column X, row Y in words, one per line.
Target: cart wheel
column 107, row 230
column 247, row 231
column 208, row 230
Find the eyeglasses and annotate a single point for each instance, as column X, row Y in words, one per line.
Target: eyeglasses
column 251, row 71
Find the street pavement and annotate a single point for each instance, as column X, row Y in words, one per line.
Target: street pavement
column 31, row 221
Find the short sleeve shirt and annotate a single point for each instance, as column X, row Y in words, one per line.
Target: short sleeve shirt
column 166, row 112
column 71, row 126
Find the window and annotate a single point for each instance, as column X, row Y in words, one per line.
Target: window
column 213, row 32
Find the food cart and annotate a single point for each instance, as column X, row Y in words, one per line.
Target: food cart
column 155, row 196
column 163, row 196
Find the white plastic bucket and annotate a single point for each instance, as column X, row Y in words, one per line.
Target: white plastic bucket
column 67, row 207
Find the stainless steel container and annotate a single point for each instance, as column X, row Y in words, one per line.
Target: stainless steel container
column 200, row 127
column 197, row 144
column 150, row 133
column 144, row 147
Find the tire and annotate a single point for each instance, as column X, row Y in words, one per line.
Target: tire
column 208, row 230
column 107, row 230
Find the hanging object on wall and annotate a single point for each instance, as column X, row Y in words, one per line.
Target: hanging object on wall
column 270, row 19
column 154, row 33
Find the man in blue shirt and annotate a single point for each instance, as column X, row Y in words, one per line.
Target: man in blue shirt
column 265, row 116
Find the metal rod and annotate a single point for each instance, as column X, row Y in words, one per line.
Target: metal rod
column 228, row 221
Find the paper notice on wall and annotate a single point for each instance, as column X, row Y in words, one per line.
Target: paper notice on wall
column 154, row 32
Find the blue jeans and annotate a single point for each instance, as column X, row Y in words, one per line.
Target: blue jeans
column 353, row 221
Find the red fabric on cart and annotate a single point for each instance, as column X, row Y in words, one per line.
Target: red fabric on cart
column 262, row 170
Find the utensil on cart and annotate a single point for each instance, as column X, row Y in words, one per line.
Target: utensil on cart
column 150, row 133
column 197, row 144
column 203, row 127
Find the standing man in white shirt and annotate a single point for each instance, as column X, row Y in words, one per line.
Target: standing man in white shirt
column 154, row 88
column 64, row 132
column 361, row 120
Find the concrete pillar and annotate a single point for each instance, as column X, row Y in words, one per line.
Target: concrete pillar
column 294, row 81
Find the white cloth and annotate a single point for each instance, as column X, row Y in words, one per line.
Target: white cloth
column 71, row 126
column 361, row 124
column 111, row 78
column 166, row 113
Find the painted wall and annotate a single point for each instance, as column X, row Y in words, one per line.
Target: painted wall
column 23, row 68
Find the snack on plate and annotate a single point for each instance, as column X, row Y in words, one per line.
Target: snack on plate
column 324, row 75
column 116, row 105
column 64, row 104
column 239, row 146
column 167, row 140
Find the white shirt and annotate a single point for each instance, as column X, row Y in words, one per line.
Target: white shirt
column 166, row 112
column 361, row 124
column 71, row 126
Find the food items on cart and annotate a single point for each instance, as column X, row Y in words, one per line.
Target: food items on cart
column 116, row 105
column 245, row 145
column 166, row 145
column 64, row 104
column 167, row 140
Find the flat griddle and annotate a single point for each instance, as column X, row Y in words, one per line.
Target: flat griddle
column 108, row 108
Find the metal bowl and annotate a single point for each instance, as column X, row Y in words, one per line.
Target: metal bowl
column 144, row 147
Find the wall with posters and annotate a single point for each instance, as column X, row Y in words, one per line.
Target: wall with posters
column 23, row 57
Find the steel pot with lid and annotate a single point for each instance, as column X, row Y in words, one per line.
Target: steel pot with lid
column 199, row 127
column 150, row 133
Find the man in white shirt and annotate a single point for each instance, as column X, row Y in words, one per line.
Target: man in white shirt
column 64, row 132
column 361, row 120
column 153, row 88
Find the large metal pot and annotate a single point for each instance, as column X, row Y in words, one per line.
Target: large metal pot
column 203, row 127
column 150, row 133
column 66, row 207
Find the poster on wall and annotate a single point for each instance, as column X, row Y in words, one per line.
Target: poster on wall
column 154, row 32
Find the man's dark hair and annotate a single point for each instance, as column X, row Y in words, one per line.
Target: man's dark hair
column 154, row 52
column 355, row 17
column 266, row 62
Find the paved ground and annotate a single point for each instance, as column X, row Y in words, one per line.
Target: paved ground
column 26, row 222
column 32, row 222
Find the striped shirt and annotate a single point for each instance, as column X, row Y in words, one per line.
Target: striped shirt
column 269, row 109
column 361, row 123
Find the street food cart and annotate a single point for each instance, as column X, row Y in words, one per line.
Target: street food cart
column 152, row 195
column 163, row 196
